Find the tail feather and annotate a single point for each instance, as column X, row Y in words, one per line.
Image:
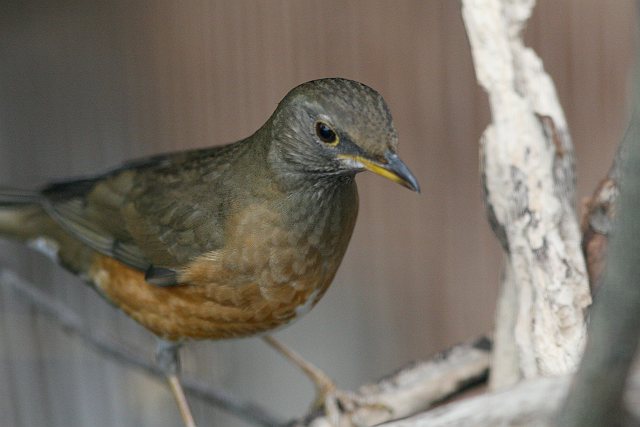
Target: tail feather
column 17, row 197
column 20, row 213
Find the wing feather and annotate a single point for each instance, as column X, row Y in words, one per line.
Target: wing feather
column 146, row 214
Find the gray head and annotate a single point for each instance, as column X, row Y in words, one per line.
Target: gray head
column 337, row 126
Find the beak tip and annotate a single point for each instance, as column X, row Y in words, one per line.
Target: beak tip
column 414, row 186
column 402, row 173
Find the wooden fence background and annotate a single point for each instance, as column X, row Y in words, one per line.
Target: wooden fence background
column 85, row 85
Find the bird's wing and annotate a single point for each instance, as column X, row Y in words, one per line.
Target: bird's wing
column 90, row 210
column 154, row 215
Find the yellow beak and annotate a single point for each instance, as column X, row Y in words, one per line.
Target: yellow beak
column 391, row 168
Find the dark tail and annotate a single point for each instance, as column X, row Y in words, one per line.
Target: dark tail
column 16, row 197
column 20, row 213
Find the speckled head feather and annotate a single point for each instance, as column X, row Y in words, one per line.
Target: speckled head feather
column 357, row 115
column 356, row 109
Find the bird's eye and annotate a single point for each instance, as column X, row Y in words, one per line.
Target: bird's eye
column 326, row 134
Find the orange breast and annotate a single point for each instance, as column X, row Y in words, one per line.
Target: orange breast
column 211, row 311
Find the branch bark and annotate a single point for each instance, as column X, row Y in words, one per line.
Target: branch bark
column 599, row 212
column 597, row 222
column 528, row 180
column 419, row 386
column 528, row 404
column 596, row 393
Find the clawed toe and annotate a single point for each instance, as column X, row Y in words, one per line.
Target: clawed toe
column 340, row 405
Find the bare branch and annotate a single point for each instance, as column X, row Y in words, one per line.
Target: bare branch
column 528, row 404
column 420, row 385
column 597, row 222
column 528, row 180
column 595, row 397
column 599, row 212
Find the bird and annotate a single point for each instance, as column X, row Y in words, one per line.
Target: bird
column 227, row 241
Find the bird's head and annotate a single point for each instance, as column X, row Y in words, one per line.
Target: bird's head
column 337, row 126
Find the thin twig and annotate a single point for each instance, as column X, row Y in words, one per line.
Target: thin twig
column 73, row 324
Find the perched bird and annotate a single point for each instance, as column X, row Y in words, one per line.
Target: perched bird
column 222, row 242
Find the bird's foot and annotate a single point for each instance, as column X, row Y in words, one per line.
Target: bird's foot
column 340, row 406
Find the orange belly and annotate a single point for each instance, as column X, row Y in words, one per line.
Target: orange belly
column 212, row 311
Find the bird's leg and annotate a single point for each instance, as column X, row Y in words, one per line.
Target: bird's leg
column 168, row 361
column 323, row 383
column 334, row 400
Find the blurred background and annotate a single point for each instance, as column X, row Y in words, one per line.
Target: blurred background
column 86, row 85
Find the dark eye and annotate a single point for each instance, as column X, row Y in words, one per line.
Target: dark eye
column 325, row 133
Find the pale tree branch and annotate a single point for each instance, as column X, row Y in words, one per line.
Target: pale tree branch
column 528, row 182
column 528, row 404
column 420, row 385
